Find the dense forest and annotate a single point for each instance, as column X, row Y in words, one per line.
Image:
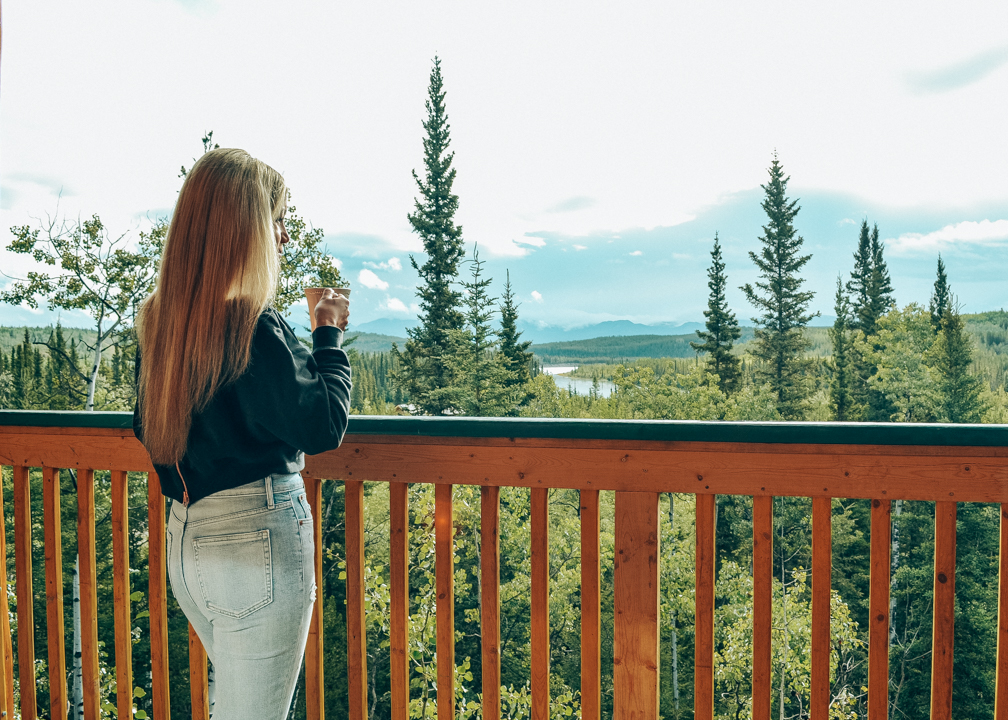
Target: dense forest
column 923, row 362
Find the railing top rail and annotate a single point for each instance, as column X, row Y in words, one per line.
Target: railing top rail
column 812, row 433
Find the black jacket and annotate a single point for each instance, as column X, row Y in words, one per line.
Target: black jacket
column 288, row 402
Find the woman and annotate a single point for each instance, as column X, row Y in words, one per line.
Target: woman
column 228, row 403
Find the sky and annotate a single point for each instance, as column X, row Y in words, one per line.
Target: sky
column 599, row 146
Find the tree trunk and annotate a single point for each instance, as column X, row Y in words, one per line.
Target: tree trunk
column 93, row 375
column 78, row 684
column 897, row 511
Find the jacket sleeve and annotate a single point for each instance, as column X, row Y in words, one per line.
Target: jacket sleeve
column 300, row 397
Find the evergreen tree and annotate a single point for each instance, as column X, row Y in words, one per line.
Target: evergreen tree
column 881, row 290
column 953, row 354
column 722, row 327
column 940, row 299
column 426, row 363
column 483, row 389
column 780, row 339
column 841, row 385
column 859, row 285
column 515, row 354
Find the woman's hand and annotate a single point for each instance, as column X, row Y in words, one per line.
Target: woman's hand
column 332, row 309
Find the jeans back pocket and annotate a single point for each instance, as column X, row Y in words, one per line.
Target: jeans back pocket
column 235, row 572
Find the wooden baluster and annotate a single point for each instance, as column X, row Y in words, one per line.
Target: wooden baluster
column 356, row 641
column 1001, row 683
column 822, row 559
column 314, row 695
column 121, row 594
column 878, row 610
column 198, row 690
column 762, row 604
column 157, row 594
column 6, row 641
column 444, row 570
column 635, row 597
column 399, row 591
column 539, row 626
column 704, row 664
column 591, row 647
column 58, row 701
column 490, row 599
column 88, row 592
column 25, row 596
column 943, row 628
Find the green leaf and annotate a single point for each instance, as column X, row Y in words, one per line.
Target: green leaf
column 139, row 692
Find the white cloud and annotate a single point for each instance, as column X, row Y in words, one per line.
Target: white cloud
column 580, row 247
column 636, row 253
column 393, row 263
column 395, row 305
column 530, row 240
column 537, row 296
column 968, row 232
column 369, row 280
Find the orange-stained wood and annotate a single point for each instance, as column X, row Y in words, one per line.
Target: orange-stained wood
column 943, row 631
column 314, row 700
column 539, row 626
column 121, row 593
column 23, row 585
column 399, row 592
column 822, row 561
column 729, row 469
column 6, row 644
column 74, row 448
column 157, row 589
column 490, row 599
column 356, row 642
column 444, row 561
column 54, row 589
column 703, row 704
column 635, row 598
column 762, row 609
column 88, row 575
column 878, row 610
column 1001, row 683
column 591, row 647
column 198, row 694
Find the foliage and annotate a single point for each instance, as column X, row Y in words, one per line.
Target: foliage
column 722, row 327
column 780, row 343
column 841, row 390
column 960, row 392
column 941, row 298
column 515, row 354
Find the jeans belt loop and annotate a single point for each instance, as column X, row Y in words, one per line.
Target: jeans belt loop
column 269, row 492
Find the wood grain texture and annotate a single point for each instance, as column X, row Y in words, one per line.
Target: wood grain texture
column 157, row 593
column 121, row 593
column 822, row 566
column 198, row 694
column 490, row 600
column 76, row 448
column 703, row 704
column 539, row 626
column 762, row 606
column 399, row 594
column 314, row 680
column 23, row 586
column 635, row 600
column 356, row 640
column 878, row 610
column 1001, row 682
column 444, row 571
column 54, row 588
column 943, row 632
column 88, row 574
column 779, row 470
column 591, row 646
column 6, row 641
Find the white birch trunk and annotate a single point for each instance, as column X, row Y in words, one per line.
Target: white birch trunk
column 78, row 685
column 897, row 511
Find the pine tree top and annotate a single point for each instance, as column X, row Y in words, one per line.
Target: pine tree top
column 941, row 298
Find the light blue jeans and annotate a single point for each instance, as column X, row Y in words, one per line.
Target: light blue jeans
column 242, row 566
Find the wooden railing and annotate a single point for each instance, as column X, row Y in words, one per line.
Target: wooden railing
column 636, row 459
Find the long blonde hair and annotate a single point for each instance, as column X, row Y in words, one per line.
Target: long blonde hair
column 219, row 271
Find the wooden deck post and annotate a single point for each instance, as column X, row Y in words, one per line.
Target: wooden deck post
column 703, row 702
column 6, row 642
column 314, row 699
column 539, row 626
column 444, row 571
column 591, row 646
column 399, row 599
column 356, row 641
column 157, row 598
column 878, row 610
column 762, row 604
column 23, row 586
column 121, row 594
column 490, row 599
column 635, row 593
column 943, row 627
column 822, row 567
column 52, row 522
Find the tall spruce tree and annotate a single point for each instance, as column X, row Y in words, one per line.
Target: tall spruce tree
column 869, row 286
column 722, row 327
column 941, row 297
column 515, row 354
column 780, row 337
column 842, row 399
column 953, row 354
column 881, row 289
column 426, row 369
